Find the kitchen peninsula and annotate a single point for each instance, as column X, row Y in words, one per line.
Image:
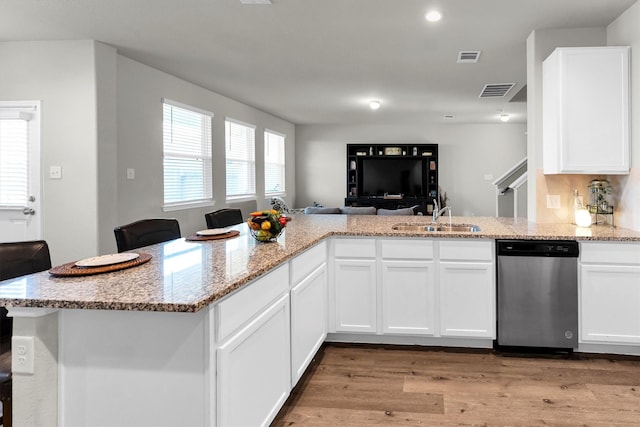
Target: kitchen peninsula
column 206, row 330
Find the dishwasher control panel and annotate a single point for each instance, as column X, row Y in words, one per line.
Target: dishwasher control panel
column 554, row 248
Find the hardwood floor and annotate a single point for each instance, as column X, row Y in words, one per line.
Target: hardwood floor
column 350, row 385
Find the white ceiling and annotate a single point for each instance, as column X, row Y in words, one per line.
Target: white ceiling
column 320, row 61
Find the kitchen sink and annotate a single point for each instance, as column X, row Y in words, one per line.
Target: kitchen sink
column 454, row 228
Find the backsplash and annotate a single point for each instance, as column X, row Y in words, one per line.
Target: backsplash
column 625, row 197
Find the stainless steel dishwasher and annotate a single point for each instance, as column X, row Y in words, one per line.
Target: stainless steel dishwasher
column 537, row 293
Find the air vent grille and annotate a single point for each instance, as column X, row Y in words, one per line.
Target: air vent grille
column 468, row 56
column 496, row 90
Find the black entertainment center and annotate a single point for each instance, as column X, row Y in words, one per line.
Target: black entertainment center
column 392, row 176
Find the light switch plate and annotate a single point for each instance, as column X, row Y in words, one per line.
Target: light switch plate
column 55, row 172
column 131, row 173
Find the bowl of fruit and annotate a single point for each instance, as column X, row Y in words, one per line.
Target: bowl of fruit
column 266, row 226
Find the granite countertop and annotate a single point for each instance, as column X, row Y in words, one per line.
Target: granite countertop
column 186, row 276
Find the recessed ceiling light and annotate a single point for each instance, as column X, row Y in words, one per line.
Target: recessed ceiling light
column 433, row 16
column 255, row 1
column 504, row 117
column 374, row 104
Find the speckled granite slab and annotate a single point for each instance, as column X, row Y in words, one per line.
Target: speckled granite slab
column 186, row 276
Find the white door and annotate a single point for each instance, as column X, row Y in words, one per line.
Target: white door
column 20, row 217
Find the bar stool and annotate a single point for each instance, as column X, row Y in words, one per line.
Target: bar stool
column 146, row 232
column 223, row 218
column 16, row 259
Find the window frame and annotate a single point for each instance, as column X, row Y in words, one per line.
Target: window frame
column 283, row 165
column 205, row 155
column 250, row 160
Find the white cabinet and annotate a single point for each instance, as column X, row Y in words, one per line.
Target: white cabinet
column 355, row 288
column 253, row 351
column 467, row 289
column 253, row 379
column 408, row 287
column 610, row 293
column 308, row 308
column 585, row 110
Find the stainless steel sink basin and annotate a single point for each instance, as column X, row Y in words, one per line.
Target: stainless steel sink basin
column 454, row 228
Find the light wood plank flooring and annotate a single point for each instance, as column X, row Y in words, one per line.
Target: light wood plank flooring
column 350, row 385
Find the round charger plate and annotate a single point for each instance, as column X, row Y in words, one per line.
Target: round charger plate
column 102, row 260
column 212, row 232
column 70, row 269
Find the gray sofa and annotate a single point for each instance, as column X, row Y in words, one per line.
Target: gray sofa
column 359, row 210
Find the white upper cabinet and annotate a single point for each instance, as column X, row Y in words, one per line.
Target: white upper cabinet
column 585, row 110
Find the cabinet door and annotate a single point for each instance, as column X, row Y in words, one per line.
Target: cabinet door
column 254, row 373
column 308, row 320
column 467, row 299
column 408, row 297
column 610, row 303
column 355, row 295
column 586, row 102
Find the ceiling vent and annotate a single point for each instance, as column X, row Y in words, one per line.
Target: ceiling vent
column 496, row 90
column 468, row 56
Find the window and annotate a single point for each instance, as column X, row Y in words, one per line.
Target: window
column 240, row 148
column 273, row 163
column 15, row 134
column 187, row 155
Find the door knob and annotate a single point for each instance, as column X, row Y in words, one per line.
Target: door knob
column 28, row 211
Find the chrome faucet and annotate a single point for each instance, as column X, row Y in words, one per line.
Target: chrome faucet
column 437, row 213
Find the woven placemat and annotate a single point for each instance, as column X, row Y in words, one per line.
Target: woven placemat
column 70, row 268
column 229, row 234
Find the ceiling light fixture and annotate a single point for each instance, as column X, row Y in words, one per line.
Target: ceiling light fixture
column 374, row 104
column 504, row 117
column 433, row 16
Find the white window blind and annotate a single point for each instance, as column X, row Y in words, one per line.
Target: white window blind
column 240, row 159
column 187, row 154
column 14, row 159
column 274, row 164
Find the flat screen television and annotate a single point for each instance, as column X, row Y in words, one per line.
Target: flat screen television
column 392, row 176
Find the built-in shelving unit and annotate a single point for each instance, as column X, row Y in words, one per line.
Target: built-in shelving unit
column 392, row 176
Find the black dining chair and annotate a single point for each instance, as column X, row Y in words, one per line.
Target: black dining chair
column 146, row 232
column 223, row 218
column 16, row 259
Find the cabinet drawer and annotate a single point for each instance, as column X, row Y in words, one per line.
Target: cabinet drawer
column 610, row 252
column 303, row 264
column 466, row 250
column 354, row 248
column 241, row 306
column 407, row 249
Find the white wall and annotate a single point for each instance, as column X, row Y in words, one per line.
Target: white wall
column 101, row 114
column 466, row 154
column 625, row 31
column 540, row 44
column 61, row 75
column 139, row 111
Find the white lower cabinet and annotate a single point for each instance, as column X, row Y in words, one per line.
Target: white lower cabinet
column 467, row 289
column 610, row 293
column 308, row 320
column 355, row 285
column 408, row 282
column 355, row 295
column 467, row 295
column 254, row 371
column 408, row 297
